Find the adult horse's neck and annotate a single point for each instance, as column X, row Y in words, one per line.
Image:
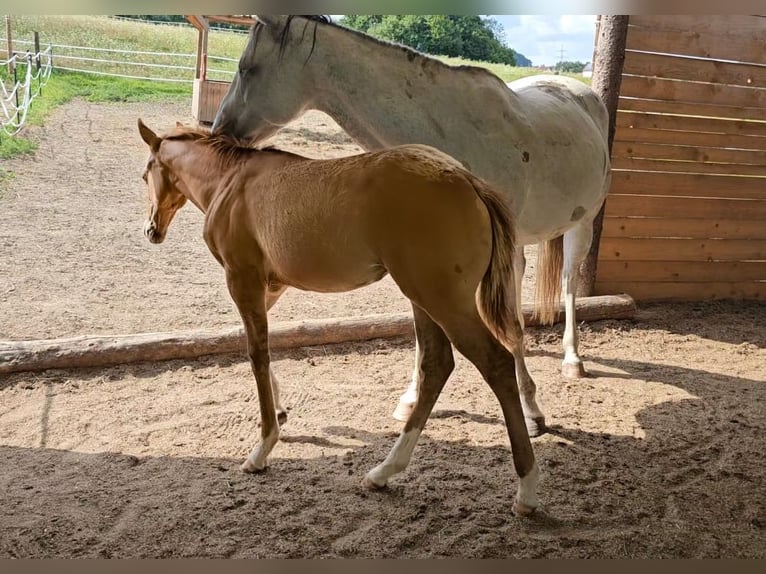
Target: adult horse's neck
column 383, row 94
column 192, row 164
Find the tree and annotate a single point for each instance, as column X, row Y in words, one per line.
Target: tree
column 471, row 37
column 571, row 67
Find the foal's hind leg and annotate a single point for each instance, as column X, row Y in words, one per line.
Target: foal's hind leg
column 435, row 363
column 472, row 338
column 576, row 245
column 533, row 415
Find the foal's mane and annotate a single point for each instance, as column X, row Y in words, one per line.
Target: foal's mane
column 411, row 53
column 228, row 150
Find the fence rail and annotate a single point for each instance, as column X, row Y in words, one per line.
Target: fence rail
column 135, row 64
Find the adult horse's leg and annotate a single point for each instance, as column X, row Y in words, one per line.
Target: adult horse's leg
column 435, row 363
column 533, row 415
column 576, row 245
column 473, row 339
column 272, row 296
column 249, row 294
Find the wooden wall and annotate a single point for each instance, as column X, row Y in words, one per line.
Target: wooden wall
column 686, row 215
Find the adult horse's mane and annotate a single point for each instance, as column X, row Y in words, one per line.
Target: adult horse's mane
column 230, row 150
column 410, row 52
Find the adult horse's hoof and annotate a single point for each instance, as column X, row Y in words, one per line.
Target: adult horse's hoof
column 535, row 426
column 403, row 411
column 573, row 370
column 369, row 484
column 521, row 509
column 252, row 468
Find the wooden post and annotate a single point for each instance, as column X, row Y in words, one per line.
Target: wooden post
column 608, row 61
column 10, row 43
column 37, row 51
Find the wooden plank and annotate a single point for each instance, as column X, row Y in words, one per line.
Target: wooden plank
column 97, row 351
column 652, row 249
column 694, row 70
column 626, row 134
column 690, row 167
column 691, row 185
column 707, row 25
column 639, row 120
column 687, row 153
column 674, row 226
column 683, row 271
column 620, row 205
column 692, row 92
column 682, row 108
column 651, row 291
column 728, row 44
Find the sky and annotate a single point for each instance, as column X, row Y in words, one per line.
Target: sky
column 541, row 38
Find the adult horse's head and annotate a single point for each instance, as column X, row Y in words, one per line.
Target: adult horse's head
column 164, row 197
column 266, row 92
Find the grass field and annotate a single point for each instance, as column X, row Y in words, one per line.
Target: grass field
column 177, row 44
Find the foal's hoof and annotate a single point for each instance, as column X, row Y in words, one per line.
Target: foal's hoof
column 403, row 411
column 573, row 370
column 521, row 509
column 369, row 484
column 535, row 426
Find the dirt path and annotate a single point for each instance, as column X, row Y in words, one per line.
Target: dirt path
column 659, row 455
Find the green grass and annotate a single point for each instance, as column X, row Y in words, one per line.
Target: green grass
column 504, row 71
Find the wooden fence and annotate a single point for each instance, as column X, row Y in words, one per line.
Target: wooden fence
column 686, row 215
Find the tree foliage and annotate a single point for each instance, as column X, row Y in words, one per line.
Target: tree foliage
column 470, row 37
column 572, row 67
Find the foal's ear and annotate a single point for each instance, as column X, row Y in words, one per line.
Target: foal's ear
column 148, row 136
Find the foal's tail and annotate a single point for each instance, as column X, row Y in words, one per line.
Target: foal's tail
column 550, row 259
column 497, row 292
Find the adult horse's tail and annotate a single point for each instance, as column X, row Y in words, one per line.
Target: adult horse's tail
column 550, row 260
column 497, row 292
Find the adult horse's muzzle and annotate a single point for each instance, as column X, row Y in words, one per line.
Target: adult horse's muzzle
column 152, row 233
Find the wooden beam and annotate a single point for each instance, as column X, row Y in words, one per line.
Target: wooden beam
column 236, row 20
column 203, row 28
column 102, row 351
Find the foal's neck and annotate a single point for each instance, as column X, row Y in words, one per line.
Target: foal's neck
column 197, row 168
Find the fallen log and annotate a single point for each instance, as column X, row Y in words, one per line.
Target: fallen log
column 102, row 351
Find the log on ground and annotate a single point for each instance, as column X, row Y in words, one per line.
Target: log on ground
column 102, row 351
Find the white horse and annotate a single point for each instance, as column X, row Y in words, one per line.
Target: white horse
column 541, row 140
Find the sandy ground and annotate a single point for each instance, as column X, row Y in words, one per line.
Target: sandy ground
column 659, row 454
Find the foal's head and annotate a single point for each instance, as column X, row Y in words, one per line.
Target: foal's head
column 164, row 197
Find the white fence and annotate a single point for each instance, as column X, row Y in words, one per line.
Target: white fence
column 156, row 66
column 30, row 74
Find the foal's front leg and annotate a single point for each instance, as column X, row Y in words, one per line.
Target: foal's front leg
column 249, row 294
